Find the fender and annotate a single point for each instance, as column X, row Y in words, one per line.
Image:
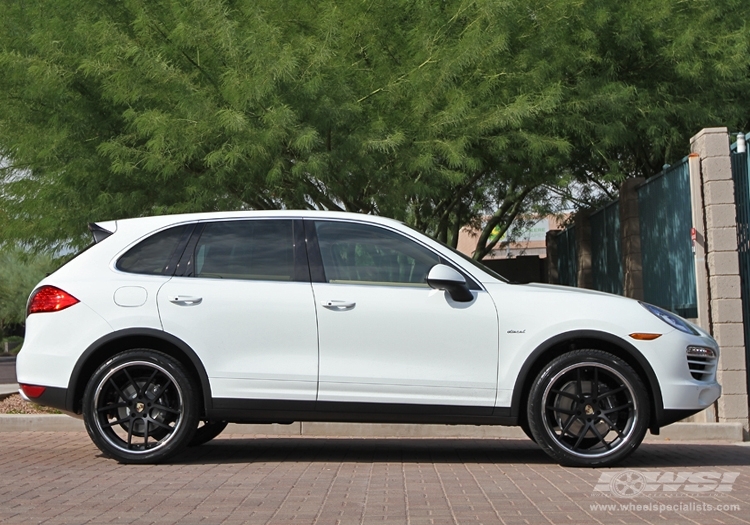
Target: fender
column 657, row 407
column 131, row 333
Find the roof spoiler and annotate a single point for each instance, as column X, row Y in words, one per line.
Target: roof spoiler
column 98, row 232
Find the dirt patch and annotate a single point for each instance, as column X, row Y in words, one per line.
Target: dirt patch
column 16, row 405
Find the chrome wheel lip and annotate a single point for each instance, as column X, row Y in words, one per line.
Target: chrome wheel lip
column 97, row 420
column 631, row 424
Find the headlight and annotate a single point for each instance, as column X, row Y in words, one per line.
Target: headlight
column 675, row 321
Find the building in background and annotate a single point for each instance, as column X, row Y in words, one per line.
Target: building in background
column 520, row 255
column 529, row 240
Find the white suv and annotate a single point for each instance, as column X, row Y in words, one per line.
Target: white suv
column 169, row 327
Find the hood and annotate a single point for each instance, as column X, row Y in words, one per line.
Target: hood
column 559, row 288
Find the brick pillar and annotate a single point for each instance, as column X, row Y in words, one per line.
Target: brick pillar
column 718, row 283
column 630, row 237
column 584, row 271
column 553, row 276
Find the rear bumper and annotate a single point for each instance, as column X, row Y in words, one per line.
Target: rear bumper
column 53, row 397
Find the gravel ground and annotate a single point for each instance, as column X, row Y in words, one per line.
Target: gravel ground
column 16, row 405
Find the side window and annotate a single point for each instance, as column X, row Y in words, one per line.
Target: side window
column 258, row 250
column 152, row 256
column 360, row 253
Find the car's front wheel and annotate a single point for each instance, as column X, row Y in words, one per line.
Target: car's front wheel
column 588, row 408
column 140, row 407
column 206, row 432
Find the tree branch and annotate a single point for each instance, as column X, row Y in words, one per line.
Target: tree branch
column 506, row 213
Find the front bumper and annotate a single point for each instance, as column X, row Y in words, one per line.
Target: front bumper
column 695, row 399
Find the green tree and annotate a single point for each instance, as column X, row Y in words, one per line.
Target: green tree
column 20, row 271
column 436, row 113
column 637, row 79
column 646, row 76
column 161, row 107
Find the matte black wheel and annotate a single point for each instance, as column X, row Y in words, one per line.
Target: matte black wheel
column 588, row 408
column 139, row 407
column 207, row 431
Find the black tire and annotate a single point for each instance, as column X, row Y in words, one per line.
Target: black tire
column 140, row 407
column 526, row 430
column 206, row 432
column 588, row 408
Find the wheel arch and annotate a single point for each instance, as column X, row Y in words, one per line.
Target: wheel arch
column 111, row 344
column 580, row 339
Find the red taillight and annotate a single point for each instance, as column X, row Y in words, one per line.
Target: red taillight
column 50, row 299
column 33, row 391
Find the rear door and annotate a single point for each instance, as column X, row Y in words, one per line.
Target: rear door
column 245, row 305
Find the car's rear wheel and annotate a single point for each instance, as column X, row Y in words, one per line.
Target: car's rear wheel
column 140, row 407
column 588, row 408
column 207, row 431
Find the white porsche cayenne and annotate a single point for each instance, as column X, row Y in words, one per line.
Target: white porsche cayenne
column 167, row 328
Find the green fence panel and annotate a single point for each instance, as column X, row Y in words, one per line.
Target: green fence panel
column 606, row 253
column 567, row 267
column 666, row 247
column 740, row 172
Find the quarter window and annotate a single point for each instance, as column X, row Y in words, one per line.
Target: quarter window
column 363, row 254
column 259, row 250
column 153, row 255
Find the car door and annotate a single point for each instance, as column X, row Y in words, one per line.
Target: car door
column 245, row 305
column 385, row 336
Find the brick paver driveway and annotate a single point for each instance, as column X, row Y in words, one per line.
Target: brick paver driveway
column 61, row 478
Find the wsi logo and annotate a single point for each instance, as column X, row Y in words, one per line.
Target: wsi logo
column 631, row 483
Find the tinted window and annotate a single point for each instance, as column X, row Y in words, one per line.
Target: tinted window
column 261, row 250
column 153, row 255
column 359, row 253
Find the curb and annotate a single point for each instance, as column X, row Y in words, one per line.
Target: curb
column 39, row 423
column 700, row 432
column 7, row 390
column 732, row 432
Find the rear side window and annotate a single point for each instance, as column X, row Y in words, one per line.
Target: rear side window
column 154, row 255
column 256, row 250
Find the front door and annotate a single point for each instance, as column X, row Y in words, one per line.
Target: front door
column 385, row 336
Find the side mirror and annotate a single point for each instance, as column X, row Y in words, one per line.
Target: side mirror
column 442, row 277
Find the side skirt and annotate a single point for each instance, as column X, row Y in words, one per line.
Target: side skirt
column 285, row 412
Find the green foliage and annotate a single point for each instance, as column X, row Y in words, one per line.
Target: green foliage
column 11, row 339
column 20, row 271
column 437, row 113
column 643, row 76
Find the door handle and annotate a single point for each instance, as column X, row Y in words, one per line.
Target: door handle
column 338, row 305
column 186, row 300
